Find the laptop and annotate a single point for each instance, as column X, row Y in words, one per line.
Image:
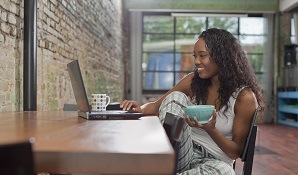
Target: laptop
column 84, row 109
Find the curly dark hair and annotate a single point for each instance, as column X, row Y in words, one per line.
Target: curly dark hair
column 235, row 70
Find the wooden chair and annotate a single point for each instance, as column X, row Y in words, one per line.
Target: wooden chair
column 16, row 159
column 247, row 154
column 173, row 126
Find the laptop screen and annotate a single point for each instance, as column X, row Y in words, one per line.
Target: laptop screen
column 78, row 86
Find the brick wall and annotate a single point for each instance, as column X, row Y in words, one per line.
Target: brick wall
column 11, row 52
column 90, row 31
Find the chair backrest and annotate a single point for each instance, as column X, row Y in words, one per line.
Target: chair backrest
column 248, row 161
column 173, row 126
column 16, row 159
column 248, row 151
column 249, row 137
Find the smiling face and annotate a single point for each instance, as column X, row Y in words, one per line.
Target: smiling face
column 205, row 67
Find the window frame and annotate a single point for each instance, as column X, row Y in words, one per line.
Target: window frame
column 174, row 71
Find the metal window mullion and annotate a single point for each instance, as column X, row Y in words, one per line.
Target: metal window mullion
column 174, row 52
column 136, row 55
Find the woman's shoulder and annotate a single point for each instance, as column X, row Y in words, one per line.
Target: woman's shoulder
column 246, row 97
column 187, row 78
column 184, row 84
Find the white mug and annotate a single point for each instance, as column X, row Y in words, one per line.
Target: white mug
column 100, row 102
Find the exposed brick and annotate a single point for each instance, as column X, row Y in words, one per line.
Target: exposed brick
column 13, row 30
column 54, row 2
column 64, row 3
column 12, row 19
column 16, row 1
column 22, row 13
column 13, row 8
column 67, row 30
column 2, row 99
column 2, row 38
column 4, row 86
column 41, row 43
column 4, row 16
column 5, row 27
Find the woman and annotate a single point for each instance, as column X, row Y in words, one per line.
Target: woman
column 223, row 77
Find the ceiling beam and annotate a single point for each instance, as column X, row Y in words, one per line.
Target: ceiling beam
column 287, row 5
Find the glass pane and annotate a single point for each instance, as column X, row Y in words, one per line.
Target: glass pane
column 260, row 79
column 158, row 62
column 292, row 27
column 252, row 25
column 190, row 24
column 253, row 49
column 228, row 23
column 293, row 39
column 158, row 24
column 158, row 42
column 237, row 37
column 184, row 61
column 185, row 43
column 158, row 80
column 165, row 62
column 249, row 40
column 256, row 61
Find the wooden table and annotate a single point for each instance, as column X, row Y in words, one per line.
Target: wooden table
column 66, row 143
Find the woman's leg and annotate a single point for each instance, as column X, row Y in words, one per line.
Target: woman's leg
column 209, row 166
column 204, row 163
column 186, row 147
column 192, row 158
column 171, row 104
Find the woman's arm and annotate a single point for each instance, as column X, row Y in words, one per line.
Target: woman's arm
column 245, row 107
column 152, row 108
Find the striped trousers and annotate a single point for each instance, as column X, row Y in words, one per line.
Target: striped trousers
column 193, row 158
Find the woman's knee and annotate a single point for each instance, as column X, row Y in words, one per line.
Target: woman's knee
column 175, row 96
column 168, row 104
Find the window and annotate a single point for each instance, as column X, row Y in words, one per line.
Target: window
column 252, row 40
column 293, row 39
column 168, row 45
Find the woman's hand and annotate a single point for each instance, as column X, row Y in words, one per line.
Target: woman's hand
column 207, row 127
column 129, row 105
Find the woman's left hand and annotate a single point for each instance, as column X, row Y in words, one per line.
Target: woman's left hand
column 207, row 127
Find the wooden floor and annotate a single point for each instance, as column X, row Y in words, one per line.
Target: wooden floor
column 276, row 151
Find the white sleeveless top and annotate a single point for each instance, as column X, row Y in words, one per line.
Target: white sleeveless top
column 224, row 124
